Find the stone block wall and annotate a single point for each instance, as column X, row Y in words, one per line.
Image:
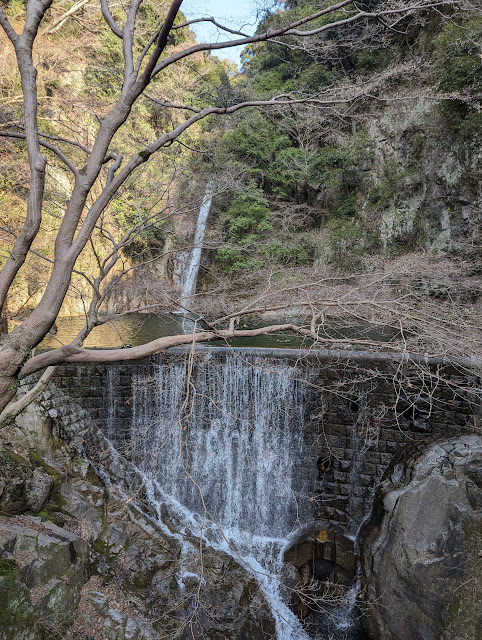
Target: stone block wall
column 360, row 412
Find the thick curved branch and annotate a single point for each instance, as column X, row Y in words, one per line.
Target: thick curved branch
column 71, row 353
column 7, row 27
column 75, row 354
column 13, row 409
column 114, row 27
column 161, row 44
column 37, row 162
column 36, row 10
column 113, row 168
column 128, row 38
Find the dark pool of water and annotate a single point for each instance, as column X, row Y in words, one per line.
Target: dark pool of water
column 138, row 328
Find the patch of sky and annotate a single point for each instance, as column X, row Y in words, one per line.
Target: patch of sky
column 238, row 15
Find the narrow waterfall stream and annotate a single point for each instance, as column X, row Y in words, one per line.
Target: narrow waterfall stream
column 234, row 469
column 192, row 269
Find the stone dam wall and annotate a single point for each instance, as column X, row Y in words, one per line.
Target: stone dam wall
column 356, row 414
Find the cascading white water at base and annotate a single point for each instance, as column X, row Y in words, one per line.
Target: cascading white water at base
column 232, row 471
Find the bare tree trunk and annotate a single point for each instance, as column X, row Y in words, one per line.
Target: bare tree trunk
column 23, row 48
column 12, row 360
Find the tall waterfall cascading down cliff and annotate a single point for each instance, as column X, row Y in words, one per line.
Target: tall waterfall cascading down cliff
column 192, row 269
column 230, row 464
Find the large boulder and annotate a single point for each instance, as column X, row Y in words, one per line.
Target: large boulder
column 24, row 484
column 42, row 571
column 422, row 548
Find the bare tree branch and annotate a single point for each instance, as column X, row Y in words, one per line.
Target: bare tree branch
column 60, row 154
column 214, row 22
column 7, row 27
column 13, row 409
column 110, row 20
column 65, row 16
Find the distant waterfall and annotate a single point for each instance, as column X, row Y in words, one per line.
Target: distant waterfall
column 192, row 270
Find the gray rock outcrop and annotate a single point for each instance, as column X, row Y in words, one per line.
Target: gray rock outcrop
column 422, row 548
column 42, row 571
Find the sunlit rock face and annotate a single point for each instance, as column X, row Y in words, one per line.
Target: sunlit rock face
column 422, row 546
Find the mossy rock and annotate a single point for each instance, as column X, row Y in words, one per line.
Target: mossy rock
column 56, row 500
column 14, row 475
column 17, row 615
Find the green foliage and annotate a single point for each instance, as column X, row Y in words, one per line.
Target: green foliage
column 392, row 187
column 348, row 206
column 151, row 240
column 458, row 64
column 348, row 242
column 419, row 144
column 248, row 215
column 337, row 170
column 291, row 174
column 288, row 253
column 103, row 77
column 330, row 164
column 16, row 612
column 458, row 70
column 244, row 223
column 251, row 239
column 316, row 76
column 234, row 260
column 462, row 120
column 373, row 59
column 255, row 140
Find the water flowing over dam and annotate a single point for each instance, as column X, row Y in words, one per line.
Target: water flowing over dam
column 225, row 448
column 269, row 455
column 225, row 460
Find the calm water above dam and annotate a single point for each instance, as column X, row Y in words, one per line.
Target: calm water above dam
column 138, row 328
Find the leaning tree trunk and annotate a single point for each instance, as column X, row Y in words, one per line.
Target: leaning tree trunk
column 11, row 360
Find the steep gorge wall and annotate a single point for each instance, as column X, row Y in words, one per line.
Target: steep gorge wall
column 438, row 205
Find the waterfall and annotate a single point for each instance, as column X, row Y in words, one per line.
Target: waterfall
column 242, row 444
column 233, row 472
column 231, row 466
column 192, row 270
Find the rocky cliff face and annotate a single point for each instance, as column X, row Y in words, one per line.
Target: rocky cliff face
column 422, row 184
column 422, row 547
column 43, row 568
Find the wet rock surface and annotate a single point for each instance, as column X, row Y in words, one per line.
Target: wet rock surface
column 422, row 548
